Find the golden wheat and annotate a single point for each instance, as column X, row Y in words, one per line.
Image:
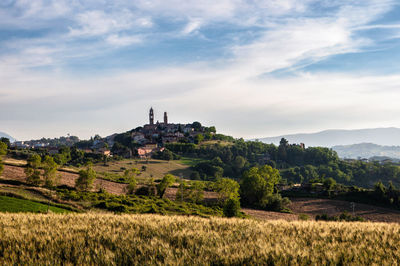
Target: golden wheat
column 107, row 239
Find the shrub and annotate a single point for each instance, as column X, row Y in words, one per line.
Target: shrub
column 195, row 176
column 143, row 191
column 345, row 216
column 275, row 202
column 232, row 207
column 304, row 217
column 131, row 187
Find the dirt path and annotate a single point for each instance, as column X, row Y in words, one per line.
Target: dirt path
column 17, row 173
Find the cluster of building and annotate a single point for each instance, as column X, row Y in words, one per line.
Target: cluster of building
column 153, row 136
column 46, row 143
column 149, row 139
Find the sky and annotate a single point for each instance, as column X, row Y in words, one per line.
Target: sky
column 251, row 68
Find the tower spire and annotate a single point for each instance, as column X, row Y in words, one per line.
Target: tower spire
column 151, row 116
column 165, row 118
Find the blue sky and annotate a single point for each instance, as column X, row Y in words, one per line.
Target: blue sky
column 251, row 68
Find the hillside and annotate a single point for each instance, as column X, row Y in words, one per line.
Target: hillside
column 107, row 239
column 367, row 150
column 328, row 138
column 5, row 135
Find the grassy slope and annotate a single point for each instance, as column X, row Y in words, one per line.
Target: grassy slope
column 154, row 168
column 107, row 239
column 9, row 204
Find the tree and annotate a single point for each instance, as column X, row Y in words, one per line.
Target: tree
column 198, row 138
column 226, row 188
column 32, row 170
column 258, row 183
column 196, row 125
column 167, row 181
column 6, row 141
column 282, row 149
column 86, row 178
column 192, row 192
column 329, row 183
column 131, row 187
column 49, row 171
column 196, row 192
column 239, row 162
column 130, row 175
column 232, row 207
column 3, row 151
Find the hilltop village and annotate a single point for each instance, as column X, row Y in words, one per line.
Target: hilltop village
column 140, row 142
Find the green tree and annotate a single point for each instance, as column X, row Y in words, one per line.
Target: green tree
column 3, row 151
column 167, row 181
column 198, row 138
column 130, row 175
column 329, row 183
column 32, row 170
column 131, row 187
column 86, row 178
column 226, row 188
column 6, row 141
column 195, row 193
column 196, row 125
column 258, row 183
column 232, row 207
column 239, row 162
column 49, row 171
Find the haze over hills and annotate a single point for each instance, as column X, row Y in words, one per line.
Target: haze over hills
column 5, row 135
column 367, row 150
column 329, row 138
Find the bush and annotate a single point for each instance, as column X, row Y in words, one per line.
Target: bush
column 345, row 216
column 304, row 217
column 146, row 191
column 131, row 187
column 195, row 176
column 232, row 207
column 275, row 202
column 142, row 191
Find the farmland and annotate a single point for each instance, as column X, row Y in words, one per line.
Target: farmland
column 308, row 206
column 153, row 239
column 11, row 204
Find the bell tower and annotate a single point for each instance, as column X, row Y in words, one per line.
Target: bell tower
column 151, row 116
column 165, row 118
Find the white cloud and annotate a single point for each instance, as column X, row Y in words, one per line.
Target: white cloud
column 191, row 26
column 97, row 22
column 234, row 104
column 118, row 40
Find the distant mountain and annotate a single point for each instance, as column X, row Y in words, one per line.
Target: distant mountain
column 5, row 135
column 329, row 138
column 368, row 150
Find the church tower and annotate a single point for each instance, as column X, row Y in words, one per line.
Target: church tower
column 165, row 118
column 151, row 116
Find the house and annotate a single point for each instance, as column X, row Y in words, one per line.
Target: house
column 103, row 151
column 147, row 150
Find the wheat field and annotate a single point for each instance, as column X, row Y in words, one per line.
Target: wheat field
column 107, row 239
